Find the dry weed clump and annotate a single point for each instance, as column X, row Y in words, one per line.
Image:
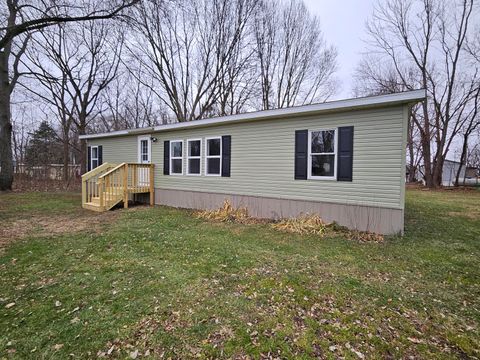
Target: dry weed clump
column 304, row 224
column 314, row 225
column 226, row 213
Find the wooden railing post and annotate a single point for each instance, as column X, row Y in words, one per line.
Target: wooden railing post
column 101, row 192
column 135, row 182
column 84, row 192
column 125, row 186
column 152, row 187
column 108, row 190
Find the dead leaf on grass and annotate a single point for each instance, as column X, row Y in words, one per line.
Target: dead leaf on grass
column 415, row 340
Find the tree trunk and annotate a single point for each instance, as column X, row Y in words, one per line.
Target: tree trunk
column 412, row 172
column 83, row 148
column 6, row 161
column 425, row 140
column 438, row 171
column 411, row 166
column 66, row 153
column 462, row 159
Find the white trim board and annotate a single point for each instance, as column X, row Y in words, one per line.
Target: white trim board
column 407, row 97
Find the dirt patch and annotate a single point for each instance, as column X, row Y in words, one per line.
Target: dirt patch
column 41, row 225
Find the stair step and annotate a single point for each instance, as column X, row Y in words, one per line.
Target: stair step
column 107, row 197
column 92, row 206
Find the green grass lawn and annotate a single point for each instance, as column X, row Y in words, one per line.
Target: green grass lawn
column 159, row 281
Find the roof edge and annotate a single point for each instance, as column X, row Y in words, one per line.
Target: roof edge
column 406, row 97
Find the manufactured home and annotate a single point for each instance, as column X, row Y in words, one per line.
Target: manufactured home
column 343, row 160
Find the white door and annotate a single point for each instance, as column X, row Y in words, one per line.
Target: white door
column 144, row 157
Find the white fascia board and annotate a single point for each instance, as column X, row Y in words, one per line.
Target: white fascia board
column 99, row 135
column 137, row 131
column 338, row 105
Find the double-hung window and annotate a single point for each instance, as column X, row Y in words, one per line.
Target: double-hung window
column 176, row 157
column 213, row 156
column 94, row 157
column 194, row 151
column 322, row 154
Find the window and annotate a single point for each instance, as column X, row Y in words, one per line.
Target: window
column 176, row 157
column 94, row 157
column 322, row 154
column 213, row 156
column 144, row 150
column 194, row 148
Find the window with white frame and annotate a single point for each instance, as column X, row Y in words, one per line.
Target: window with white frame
column 194, row 150
column 176, row 157
column 213, row 156
column 94, row 157
column 322, row 154
column 144, row 150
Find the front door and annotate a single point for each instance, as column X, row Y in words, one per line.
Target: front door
column 144, row 157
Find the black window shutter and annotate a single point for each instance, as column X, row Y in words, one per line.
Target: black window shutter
column 345, row 153
column 166, row 157
column 301, row 152
column 226, row 155
column 100, row 155
column 89, row 158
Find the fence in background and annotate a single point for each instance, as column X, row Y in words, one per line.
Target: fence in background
column 47, row 172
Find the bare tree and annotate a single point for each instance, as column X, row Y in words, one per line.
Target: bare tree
column 373, row 77
column 22, row 127
column 186, row 47
column 473, row 158
column 18, row 20
column 126, row 103
column 471, row 123
column 430, row 37
column 238, row 83
column 295, row 64
column 74, row 64
column 47, row 83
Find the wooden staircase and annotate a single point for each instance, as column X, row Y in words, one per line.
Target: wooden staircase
column 109, row 184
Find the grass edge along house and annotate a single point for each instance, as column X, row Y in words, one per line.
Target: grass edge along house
column 343, row 160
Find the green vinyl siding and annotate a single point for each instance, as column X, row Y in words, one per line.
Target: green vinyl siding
column 262, row 158
column 117, row 149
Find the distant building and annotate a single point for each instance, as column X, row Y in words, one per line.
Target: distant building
column 468, row 175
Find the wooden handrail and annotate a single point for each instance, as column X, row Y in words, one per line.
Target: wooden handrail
column 97, row 170
column 111, row 170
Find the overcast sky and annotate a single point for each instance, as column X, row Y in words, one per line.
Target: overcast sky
column 343, row 24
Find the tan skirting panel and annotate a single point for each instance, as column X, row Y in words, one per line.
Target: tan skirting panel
column 359, row 217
